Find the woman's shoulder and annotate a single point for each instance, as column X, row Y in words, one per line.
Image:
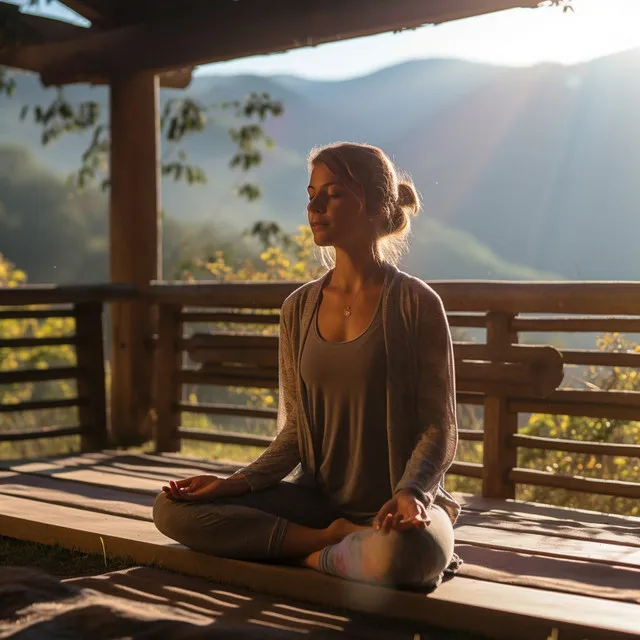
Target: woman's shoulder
column 296, row 301
column 416, row 292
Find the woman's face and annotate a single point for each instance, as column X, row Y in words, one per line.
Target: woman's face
column 336, row 215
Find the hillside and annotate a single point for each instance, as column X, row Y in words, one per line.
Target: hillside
column 524, row 173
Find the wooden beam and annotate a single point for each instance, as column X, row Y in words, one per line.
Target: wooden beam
column 28, row 29
column 205, row 32
column 41, row 31
column 135, row 254
column 88, row 11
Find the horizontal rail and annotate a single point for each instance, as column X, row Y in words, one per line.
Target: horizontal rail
column 476, row 321
column 471, row 435
column 577, row 324
column 227, row 437
column 38, row 405
column 599, row 298
column 229, row 340
column 225, row 379
column 25, row 343
column 35, row 314
column 585, row 409
column 476, row 399
column 237, row 295
column 70, row 294
column 612, row 397
column 230, row 317
column 615, row 488
column 228, row 409
column 586, row 298
column 53, row 432
column 467, row 320
column 469, row 469
column 470, row 388
column 39, row 375
column 576, row 446
column 595, row 357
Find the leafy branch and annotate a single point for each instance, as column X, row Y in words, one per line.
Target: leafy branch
column 180, row 118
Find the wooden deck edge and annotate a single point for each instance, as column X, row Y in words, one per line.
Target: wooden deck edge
column 497, row 610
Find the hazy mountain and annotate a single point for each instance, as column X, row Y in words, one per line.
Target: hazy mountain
column 524, row 172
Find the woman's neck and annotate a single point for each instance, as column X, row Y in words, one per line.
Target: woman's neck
column 355, row 272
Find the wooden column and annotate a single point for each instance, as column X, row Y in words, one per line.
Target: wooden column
column 500, row 424
column 91, row 379
column 135, row 250
column 167, row 385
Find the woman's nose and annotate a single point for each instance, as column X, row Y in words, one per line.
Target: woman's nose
column 316, row 205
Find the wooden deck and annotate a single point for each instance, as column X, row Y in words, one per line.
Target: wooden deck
column 528, row 568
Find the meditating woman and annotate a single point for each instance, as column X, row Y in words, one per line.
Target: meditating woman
column 367, row 408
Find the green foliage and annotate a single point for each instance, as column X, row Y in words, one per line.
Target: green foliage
column 589, row 430
column 42, row 357
column 180, row 118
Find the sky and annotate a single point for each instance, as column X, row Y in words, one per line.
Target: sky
column 519, row 37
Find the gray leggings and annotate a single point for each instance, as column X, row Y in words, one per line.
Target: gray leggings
column 251, row 526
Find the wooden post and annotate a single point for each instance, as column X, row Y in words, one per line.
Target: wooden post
column 167, row 385
column 500, row 424
column 91, row 379
column 135, row 250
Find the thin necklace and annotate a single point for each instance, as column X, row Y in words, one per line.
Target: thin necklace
column 347, row 307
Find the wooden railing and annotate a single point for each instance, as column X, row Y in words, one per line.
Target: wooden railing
column 84, row 306
column 499, row 313
column 502, row 310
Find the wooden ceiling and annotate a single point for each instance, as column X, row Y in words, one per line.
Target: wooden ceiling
column 164, row 35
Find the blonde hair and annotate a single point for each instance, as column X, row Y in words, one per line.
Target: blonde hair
column 370, row 174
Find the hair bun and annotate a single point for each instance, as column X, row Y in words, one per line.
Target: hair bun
column 408, row 198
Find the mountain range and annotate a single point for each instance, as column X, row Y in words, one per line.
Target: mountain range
column 524, row 173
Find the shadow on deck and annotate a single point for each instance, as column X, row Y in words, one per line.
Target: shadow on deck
column 528, row 569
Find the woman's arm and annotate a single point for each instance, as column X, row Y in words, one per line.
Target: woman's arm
column 436, row 401
column 282, row 455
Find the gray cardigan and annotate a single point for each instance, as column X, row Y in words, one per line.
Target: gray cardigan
column 421, row 400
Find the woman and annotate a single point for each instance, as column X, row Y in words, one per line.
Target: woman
column 366, row 411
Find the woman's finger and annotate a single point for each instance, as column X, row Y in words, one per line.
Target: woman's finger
column 175, row 491
column 406, row 525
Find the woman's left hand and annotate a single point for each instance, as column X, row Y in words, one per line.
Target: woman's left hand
column 404, row 511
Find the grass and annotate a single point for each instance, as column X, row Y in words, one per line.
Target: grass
column 57, row 560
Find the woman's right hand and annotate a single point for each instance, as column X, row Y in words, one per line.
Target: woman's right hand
column 206, row 487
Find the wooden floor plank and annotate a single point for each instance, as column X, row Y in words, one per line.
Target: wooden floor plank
column 550, row 546
column 127, row 504
column 104, row 479
column 77, row 495
column 499, row 610
column 552, row 574
column 242, row 608
column 479, row 503
column 628, row 535
column 106, row 472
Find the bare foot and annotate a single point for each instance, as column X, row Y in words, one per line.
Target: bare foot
column 339, row 529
